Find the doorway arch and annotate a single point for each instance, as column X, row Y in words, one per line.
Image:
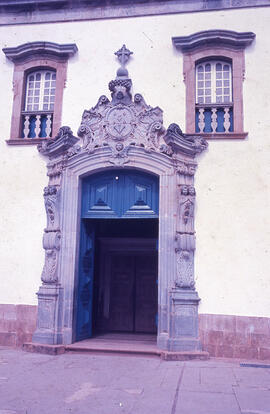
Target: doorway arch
column 117, row 267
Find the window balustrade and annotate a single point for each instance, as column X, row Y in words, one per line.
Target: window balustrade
column 214, row 118
column 37, row 124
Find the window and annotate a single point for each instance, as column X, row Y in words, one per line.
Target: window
column 38, row 82
column 214, row 103
column 40, row 91
column 37, row 115
column 213, row 63
column 213, row 82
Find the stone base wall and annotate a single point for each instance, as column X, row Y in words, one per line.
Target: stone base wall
column 225, row 336
column 17, row 324
column 235, row 336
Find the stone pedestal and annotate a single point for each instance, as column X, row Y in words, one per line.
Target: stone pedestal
column 48, row 331
column 183, row 326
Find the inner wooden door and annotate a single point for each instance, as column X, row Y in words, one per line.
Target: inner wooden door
column 133, row 292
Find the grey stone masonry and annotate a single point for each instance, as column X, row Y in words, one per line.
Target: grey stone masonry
column 42, row 11
column 129, row 133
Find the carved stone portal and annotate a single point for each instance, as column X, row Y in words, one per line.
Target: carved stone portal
column 121, row 132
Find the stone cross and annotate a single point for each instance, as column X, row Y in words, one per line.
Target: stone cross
column 123, row 55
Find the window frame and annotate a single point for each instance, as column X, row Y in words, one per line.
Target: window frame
column 238, row 68
column 31, row 57
column 213, row 80
column 215, row 45
column 42, row 87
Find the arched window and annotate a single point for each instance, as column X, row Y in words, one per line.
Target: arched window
column 214, row 82
column 37, row 115
column 40, row 91
column 214, row 98
column 213, row 66
column 40, row 70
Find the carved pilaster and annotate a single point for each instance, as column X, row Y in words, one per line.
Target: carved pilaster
column 52, row 235
column 185, row 238
column 49, row 294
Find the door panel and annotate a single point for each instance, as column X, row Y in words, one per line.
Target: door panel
column 133, row 292
column 85, row 288
column 122, row 293
column 146, row 293
column 119, row 193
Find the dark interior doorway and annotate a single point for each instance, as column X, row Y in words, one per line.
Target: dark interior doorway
column 125, row 275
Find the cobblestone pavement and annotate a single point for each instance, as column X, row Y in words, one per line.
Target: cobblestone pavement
column 110, row 384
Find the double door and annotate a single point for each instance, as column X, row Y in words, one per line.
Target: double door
column 131, row 280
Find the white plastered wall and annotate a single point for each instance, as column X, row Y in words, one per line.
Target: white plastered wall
column 232, row 181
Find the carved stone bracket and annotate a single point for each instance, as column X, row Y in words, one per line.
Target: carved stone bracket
column 59, row 145
column 189, row 145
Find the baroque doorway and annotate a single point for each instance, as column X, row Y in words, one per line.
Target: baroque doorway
column 142, row 172
column 118, row 261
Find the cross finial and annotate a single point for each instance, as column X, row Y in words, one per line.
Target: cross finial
column 123, row 55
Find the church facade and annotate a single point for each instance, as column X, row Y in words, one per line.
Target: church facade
column 155, row 187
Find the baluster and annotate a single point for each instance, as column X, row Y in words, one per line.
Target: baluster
column 214, row 119
column 201, row 123
column 226, row 122
column 37, row 128
column 26, row 128
column 48, row 126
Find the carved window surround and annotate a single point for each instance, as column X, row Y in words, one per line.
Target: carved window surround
column 27, row 58
column 215, row 44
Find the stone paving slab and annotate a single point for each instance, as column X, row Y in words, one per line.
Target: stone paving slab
column 253, row 401
column 113, row 384
column 206, row 403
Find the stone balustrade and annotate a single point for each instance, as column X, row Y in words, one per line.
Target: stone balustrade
column 214, row 118
column 37, row 124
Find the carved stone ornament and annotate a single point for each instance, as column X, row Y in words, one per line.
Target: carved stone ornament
column 186, row 209
column 189, row 145
column 122, row 123
column 59, row 145
column 50, row 200
column 184, row 248
column 51, row 244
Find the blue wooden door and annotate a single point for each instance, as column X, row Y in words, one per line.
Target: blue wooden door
column 120, row 194
column 110, row 195
column 86, row 278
